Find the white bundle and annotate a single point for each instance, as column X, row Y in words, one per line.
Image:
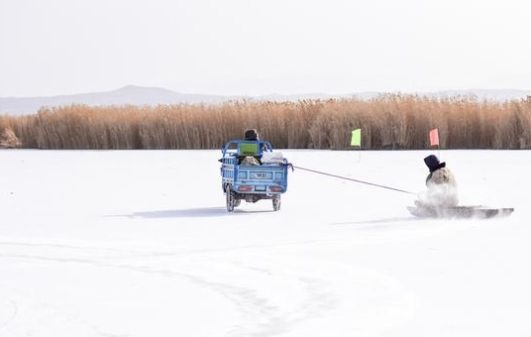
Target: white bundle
column 272, row 158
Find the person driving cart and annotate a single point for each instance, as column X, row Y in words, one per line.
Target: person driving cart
column 250, row 151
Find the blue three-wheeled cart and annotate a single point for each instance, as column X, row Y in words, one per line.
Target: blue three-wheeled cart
column 252, row 171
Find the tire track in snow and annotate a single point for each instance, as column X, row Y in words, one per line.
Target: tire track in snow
column 248, row 302
column 262, row 317
column 262, row 314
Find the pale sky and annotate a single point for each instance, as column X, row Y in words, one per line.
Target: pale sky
column 246, row 47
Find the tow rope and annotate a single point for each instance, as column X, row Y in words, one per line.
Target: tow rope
column 351, row 179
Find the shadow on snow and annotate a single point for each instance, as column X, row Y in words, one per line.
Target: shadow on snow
column 200, row 212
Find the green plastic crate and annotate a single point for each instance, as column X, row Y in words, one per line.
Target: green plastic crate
column 249, row 149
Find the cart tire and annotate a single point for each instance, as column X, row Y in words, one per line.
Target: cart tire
column 229, row 196
column 276, row 202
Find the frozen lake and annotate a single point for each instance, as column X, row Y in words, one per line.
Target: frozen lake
column 138, row 243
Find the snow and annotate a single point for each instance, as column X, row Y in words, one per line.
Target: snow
column 138, row 243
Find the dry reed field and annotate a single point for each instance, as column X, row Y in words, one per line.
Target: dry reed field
column 387, row 122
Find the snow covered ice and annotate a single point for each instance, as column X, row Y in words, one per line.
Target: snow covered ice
column 139, row 243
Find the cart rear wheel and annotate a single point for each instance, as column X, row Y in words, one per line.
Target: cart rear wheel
column 276, row 202
column 229, row 195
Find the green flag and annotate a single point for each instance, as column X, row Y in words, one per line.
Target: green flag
column 356, row 138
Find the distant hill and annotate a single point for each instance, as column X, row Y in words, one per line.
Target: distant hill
column 136, row 95
column 484, row 94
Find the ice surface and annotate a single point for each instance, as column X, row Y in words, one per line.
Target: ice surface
column 138, row 243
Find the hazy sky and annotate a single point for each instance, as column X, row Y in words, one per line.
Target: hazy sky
column 50, row 47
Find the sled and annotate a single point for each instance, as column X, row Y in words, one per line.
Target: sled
column 459, row 212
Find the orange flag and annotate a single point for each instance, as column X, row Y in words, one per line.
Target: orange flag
column 434, row 137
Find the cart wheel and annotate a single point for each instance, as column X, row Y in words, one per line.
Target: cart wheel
column 276, row 202
column 230, row 198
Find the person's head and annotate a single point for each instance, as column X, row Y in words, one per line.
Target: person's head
column 251, row 134
column 433, row 163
